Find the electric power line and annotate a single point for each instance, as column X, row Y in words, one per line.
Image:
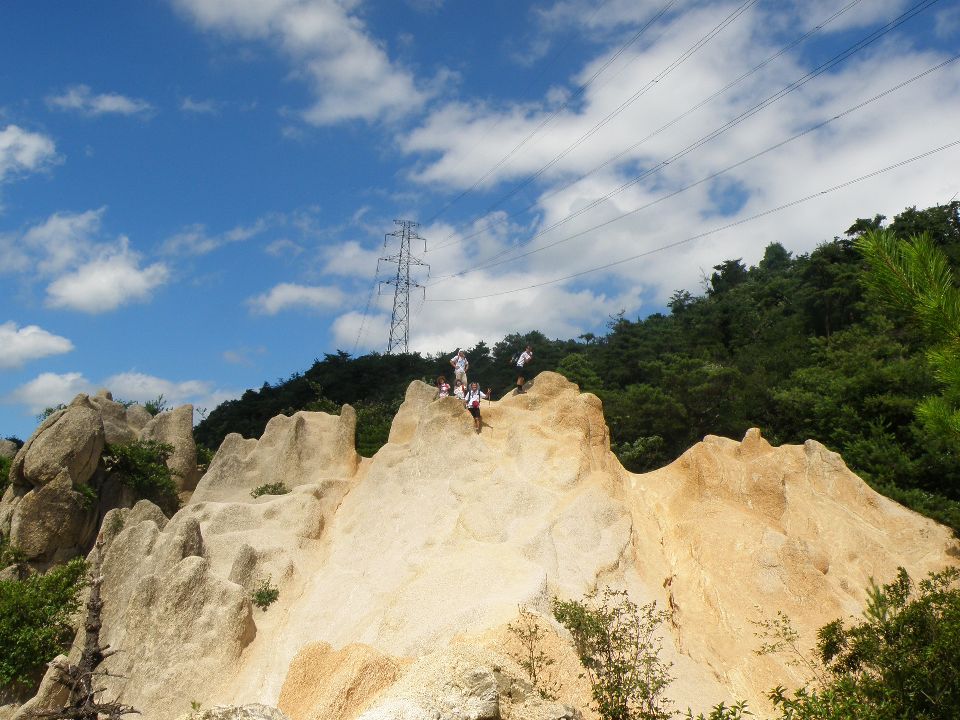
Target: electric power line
column 495, row 262
column 554, row 191
column 736, row 223
column 683, row 57
column 556, row 112
column 746, row 114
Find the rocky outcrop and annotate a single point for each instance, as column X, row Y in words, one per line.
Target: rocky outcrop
column 398, row 575
column 59, row 491
column 175, row 428
column 49, row 511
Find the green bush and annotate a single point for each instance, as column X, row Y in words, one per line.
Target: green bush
column 5, row 464
column 204, row 458
column 277, row 488
column 35, row 621
column 617, row 645
column 10, row 554
column 142, row 466
column 265, row 594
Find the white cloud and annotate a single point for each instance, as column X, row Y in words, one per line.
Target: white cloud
column 349, row 71
column 107, row 282
column 49, row 390
column 283, row 247
column 350, row 259
column 286, row 296
column 20, row 345
column 22, row 151
column 461, row 142
column 194, row 239
column 63, row 239
column 81, row 99
column 199, row 107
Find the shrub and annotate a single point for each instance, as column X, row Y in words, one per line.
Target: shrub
column 10, row 554
column 204, row 458
column 142, row 466
column 532, row 658
column 35, row 616
column 5, row 464
column 617, row 646
column 277, row 488
column 901, row 661
column 157, row 405
column 265, row 594
column 88, row 496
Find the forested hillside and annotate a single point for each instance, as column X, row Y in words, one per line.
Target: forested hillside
column 795, row 346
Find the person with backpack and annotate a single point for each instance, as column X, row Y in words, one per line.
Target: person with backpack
column 472, row 402
column 522, row 360
column 460, row 365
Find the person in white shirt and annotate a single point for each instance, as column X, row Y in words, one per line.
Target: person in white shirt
column 460, row 365
column 460, row 391
column 443, row 388
column 524, row 359
column 472, row 401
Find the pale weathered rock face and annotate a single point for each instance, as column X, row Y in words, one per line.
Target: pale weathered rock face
column 298, row 450
column 176, row 428
column 398, row 575
column 8, row 448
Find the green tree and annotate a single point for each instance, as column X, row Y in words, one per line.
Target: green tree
column 618, row 648
column 915, row 277
column 35, row 621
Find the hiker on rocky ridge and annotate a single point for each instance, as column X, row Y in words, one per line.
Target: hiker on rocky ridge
column 472, row 402
column 460, row 365
column 523, row 359
column 460, row 391
column 443, row 387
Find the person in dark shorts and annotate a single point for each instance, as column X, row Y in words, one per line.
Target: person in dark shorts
column 523, row 359
column 472, row 401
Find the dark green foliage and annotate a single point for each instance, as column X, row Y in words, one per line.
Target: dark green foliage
column 142, row 466
column 88, row 496
column 35, row 617
column 47, row 412
column 10, row 554
column 902, row 660
column 264, row 594
column 157, row 405
column 5, row 464
column 204, row 458
column 618, row 648
column 277, row 488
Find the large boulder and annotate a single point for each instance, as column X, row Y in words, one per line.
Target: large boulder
column 175, row 428
column 50, row 511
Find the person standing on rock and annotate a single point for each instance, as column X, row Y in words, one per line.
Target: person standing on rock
column 525, row 358
column 460, row 391
column 472, row 401
column 460, row 365
column 443, row 387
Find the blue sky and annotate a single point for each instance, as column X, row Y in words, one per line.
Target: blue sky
column 194, row 193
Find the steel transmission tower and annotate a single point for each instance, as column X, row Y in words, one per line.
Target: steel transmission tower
column 400, row 320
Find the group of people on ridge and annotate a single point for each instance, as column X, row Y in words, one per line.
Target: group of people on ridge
column 470, row 393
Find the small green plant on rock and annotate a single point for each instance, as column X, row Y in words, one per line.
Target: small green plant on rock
column 532, row 658
column 5, row 464
column 277, row 488
column 265, row 594
column 88, row 496
column 618, row 647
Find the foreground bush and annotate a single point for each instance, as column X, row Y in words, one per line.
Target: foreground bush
column 35, row 621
